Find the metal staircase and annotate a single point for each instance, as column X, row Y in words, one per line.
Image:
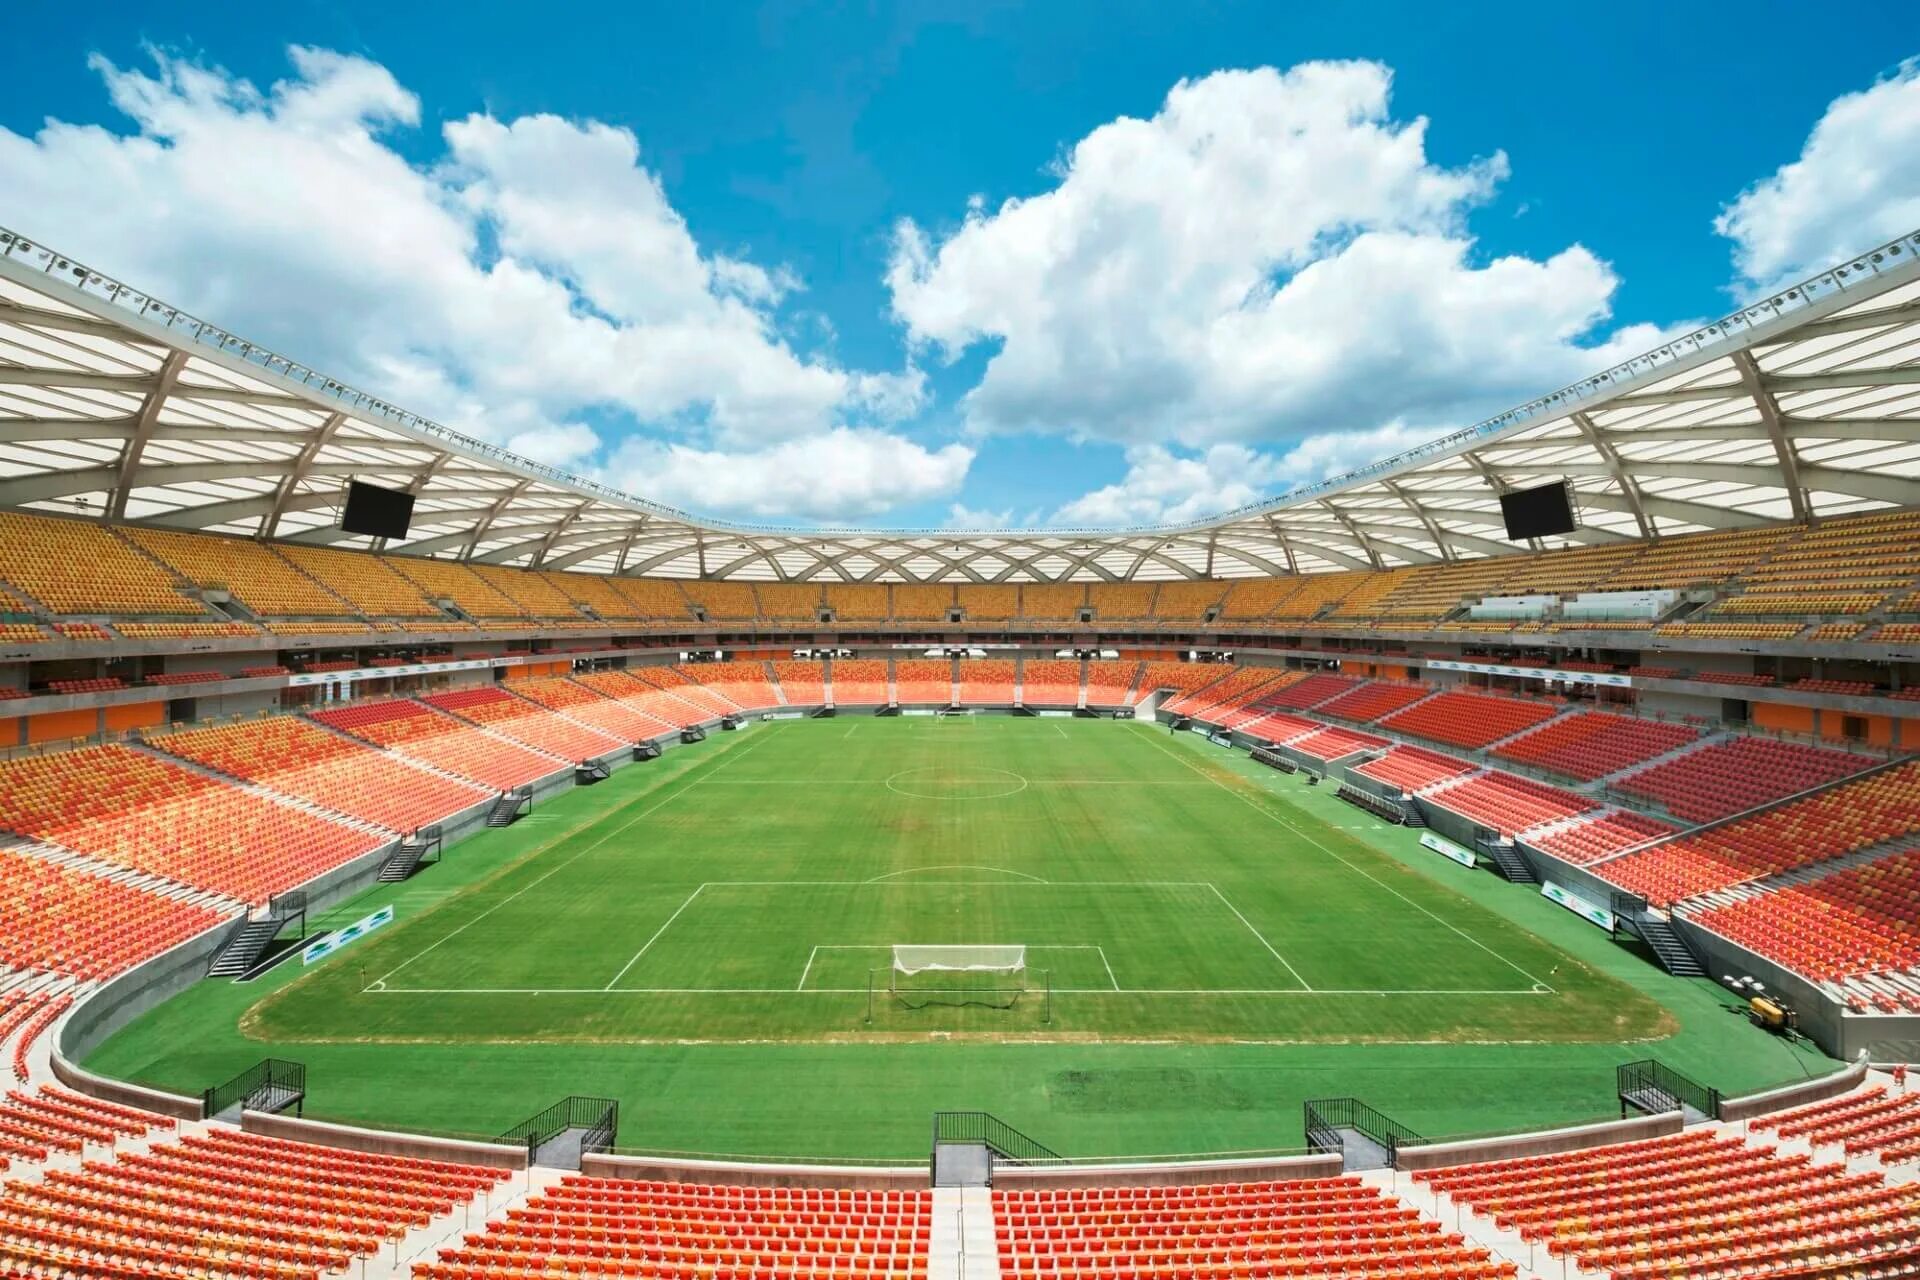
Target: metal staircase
column 509, row 805
column 1632, row 915
column 240, row 955
column 1509, row 862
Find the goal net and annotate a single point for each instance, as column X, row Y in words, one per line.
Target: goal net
column 992, row 975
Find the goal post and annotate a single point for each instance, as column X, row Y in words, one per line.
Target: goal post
column 924, row 974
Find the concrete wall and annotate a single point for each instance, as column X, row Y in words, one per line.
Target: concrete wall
column 747, row 1174
column 1193, row 1173
column 1546, row 1142
column 491, row 1155
column 1845, row 1080
column 80, row 1080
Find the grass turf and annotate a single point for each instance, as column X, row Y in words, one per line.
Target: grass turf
column 694, row 937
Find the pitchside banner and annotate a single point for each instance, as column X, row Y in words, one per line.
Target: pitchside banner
column 1608, row 678
column 1578, row 905
column 322, row 947
column 1447, row 849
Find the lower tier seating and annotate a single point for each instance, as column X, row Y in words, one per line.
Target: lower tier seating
column 1319, row 1228
column 1590, row 746
column 224, row 1206
column 804, row 683
column 1738, row 774
column 1870, row 1120
column 859, row 682
column 1331, row 744
column 419, row 732
column 526, row 722
column 1412, row 768
column 1310, row 692
column 1602, row 836
column 592, row 708
column 926, row 681
column 686, row 1231
column 1696, row 1205
column 1114, row 684
column 1184, row 677
column 1372, row 700
column 745, row 684
column 711, row 698
column 57, row 920
column 648, row 699
column 298, row 758
column 1468, row 719
column 1853, row 815
column 1050, row 683
column 986, row 681
column 139, row 810
column 1510, row 804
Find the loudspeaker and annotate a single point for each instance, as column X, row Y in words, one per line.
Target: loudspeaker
column 1538, row 512
column 377, row 512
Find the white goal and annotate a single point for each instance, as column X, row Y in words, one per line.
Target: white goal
column 988, row 975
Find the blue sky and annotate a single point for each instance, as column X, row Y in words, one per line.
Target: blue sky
column 760, row 262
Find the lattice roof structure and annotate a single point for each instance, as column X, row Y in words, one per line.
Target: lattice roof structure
column 117, row 406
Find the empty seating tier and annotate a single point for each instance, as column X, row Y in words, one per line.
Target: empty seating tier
column 421, row 733
column 1050, row 682
column 1411, row 768
column 924, row 681
column 1869, row 1120
column 644, row 698
column 1324, row 1227
column 1373, row 700
column 367, row 582
column 1829, row 824
column 527, row 723
column 1510, row 804
column 859, row 682
column 1332, row 744
column 260, row 579
column 804, row 683
column 745, row 684
column 1585, row 747
column 1310, row 692
column 1602, row 836
column 576, row 701
column 298, row 758
column 684, row 1231
column 135, row 809
column 1113, row 684
column 58, row 920
column 1728, row 777
column 709, row 699
column 986, row 681
column 43, row 557
column 1696, row 1205
column 1469, row 719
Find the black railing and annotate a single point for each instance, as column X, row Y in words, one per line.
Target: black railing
column 1325, row 1117
column 992, row 1132
column 1272, row 759
column 271, row 1084
column 1650, row 1085
column 599, row 1117
column 283, row 906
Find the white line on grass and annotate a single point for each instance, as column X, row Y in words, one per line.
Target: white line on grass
column 1109, row 968
column 1271, row 816
column 854, row 991
column 802, row 984
column 954, row 866
column 736, row 753
column 655, row 938
column 1261, row 936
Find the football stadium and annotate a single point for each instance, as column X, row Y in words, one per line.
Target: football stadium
column 1501, row 859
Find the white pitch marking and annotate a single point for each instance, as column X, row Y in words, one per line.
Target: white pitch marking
column 954, row 866
column 1276, row 818
column 1261, row 936
column 802, row 984
column 849, row 991
column 655, row 938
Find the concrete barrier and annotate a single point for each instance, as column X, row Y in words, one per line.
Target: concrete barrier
column 385, row 1142
column 1545, row 1142
column 1179, row 1173
column 1799, row 1093
column 744, row 1173
column 80, row 1080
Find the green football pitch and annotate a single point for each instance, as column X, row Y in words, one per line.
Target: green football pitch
column 709, row 939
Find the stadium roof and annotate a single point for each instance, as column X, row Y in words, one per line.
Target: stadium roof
column 115, row 405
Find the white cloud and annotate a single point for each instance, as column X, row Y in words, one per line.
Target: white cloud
column 1269, row 254
column 534, row 278
column 1855, row 185
column 843, row 474
column 962, row 517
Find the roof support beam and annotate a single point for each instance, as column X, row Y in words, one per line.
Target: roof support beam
column 1621, row 476
column 1359, row 538
column 1757, row 387
column 1413, row 505
column 1779, row 383
column 301, row 467
column 143, row 427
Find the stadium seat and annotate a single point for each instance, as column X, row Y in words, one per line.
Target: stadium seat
column 1468, row 719
column 419, row 732
column 1371, row 700
column 803, row 683
column 1508, row 803
column 1050, row 682
column 859, row 682
column 1414, row 768
column 527, row 722
column 1113, row 684
column 1592, row 745
column 1727, row 777
column 986, row 682
column 580, row 703
column 925, row 682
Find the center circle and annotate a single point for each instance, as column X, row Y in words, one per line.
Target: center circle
column 973, row 783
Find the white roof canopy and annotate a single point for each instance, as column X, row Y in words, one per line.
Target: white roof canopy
column 117, row 406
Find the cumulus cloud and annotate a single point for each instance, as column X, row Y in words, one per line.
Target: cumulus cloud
column 1855, row 185
column 1271, row 253
column 960, row 516
column 842, row 474
column 530, row 280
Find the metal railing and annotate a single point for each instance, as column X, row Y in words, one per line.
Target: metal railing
column 1325, row 1117
column 599, row 1117
column 273, row 1081
column 994, row 1133
column 1641, row 1084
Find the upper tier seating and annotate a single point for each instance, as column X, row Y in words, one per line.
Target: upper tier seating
column 597, row 592
column 989, row 603
column 225, row 1206
column 789, row 601
column 1113, row 684
column 1468, row 719
column 58, row 920
column 605, row 1228
column 1050, row 682
column 39, row 555
column 1738, row 774
column 858, row 602
column 1602, row 836
column 472, row 594
column 1510, row 804
column 1372, row 700
column 1868, row 1120
column 922, row 603
column 1306, row 1229
column 1121, row 601
column 1585, row 747
column 1853, row 815
column 1411, row 768
column 261, row 580
column 1052, row 601
column 526, row 722
column 301, row 759
column 367, row 582
column 1257, row 597
column 804, row 683
column 723, row 601
column 1864, row 919
column 924, row 680
column 745, row 684
column 655, row 599
column 1696, row 1205
column 859, row 682
column 577, row 701
column 138, row 810
column 1187, row 601
column 533, row 594
column 986, row 681
column 1319, row 590
column 418, row 731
